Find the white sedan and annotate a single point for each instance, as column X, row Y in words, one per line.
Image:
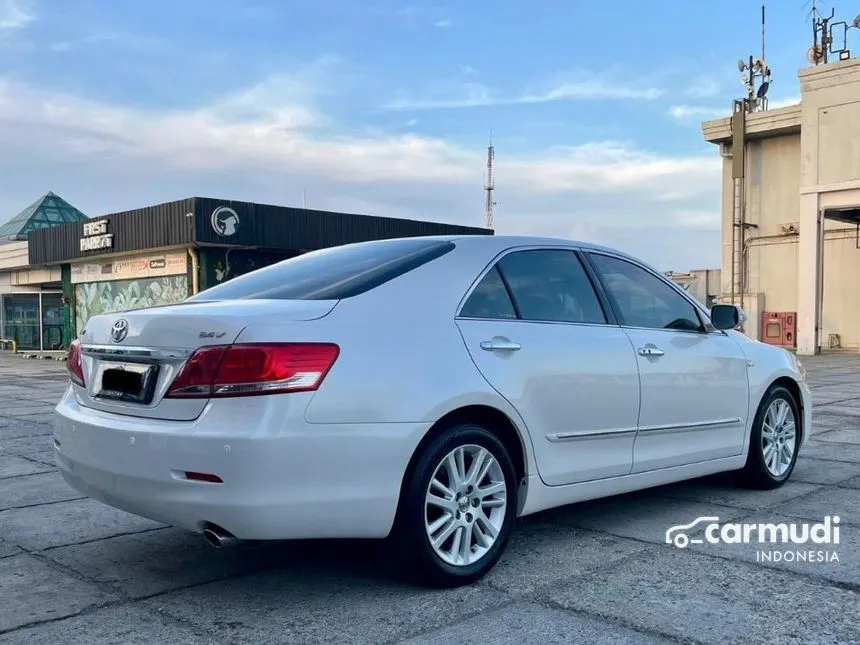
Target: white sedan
column 424, row 390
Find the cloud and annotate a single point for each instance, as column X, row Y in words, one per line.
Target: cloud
column 271, row 140
column 15, row 14
column 612, row 166
column 700, row 113
column 468, row 70
column 697, row 112
column 704, row 88
column 698, row 220
column 125, row 40
column 593, row 90
column 471, row 95
column 68, row 45
column 442, row 24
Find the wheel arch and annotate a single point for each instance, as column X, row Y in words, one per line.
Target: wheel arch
column 495, row 421
column 793, row 388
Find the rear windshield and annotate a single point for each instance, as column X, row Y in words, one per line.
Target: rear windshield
column 331, row 274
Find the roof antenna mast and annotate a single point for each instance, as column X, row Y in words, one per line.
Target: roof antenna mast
column 490, row 185
column 756, row 69
column 826, row 37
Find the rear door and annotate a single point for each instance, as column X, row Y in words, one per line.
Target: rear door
column 536, row 330
column 695, row 389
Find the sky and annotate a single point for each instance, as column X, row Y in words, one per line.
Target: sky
column 386, row 107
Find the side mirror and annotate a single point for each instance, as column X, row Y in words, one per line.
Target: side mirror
column 727, row 316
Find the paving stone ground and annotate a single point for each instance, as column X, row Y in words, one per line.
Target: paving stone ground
column 75, row 571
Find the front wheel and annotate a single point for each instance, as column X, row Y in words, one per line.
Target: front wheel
column 457, row 509
column 774, row 441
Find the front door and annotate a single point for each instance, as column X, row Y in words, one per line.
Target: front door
column 538, row 333
column 694, row 379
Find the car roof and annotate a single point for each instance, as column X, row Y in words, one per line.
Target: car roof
column 501, row 242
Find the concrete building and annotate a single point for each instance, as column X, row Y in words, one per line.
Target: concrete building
column 32, row 312
column 791, row 213
column 703, row 284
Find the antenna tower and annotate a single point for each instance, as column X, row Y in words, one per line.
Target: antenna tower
column 826, row 36
column 752, row 69
column 490, row 185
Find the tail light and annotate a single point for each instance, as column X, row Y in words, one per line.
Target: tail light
column 73, row 363
column 253, row 369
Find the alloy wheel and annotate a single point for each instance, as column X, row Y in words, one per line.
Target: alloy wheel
column 465, row 505
column 778, row 437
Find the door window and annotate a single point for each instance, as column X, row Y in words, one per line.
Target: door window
column 545, row 285
column 551, row 285
column 642, row 299
column 490, row 299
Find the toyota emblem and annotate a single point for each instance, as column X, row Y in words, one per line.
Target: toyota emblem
column 119, row 330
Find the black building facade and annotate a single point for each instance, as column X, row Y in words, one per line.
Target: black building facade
column 162, row 254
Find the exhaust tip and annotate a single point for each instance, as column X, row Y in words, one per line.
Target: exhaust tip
column 219, row 538
column 213, row 538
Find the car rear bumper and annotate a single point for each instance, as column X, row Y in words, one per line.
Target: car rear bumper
column 283, row 478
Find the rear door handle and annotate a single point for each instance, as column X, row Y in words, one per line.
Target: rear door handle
column 500, row 345
column 650, row 350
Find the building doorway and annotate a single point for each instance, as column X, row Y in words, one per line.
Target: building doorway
column 837, row 298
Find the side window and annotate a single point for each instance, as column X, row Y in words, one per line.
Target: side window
column 489, row 299
column 642, row 299
column 551, row 285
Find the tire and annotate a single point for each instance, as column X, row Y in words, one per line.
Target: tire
column 410, row 542
column 756, row 473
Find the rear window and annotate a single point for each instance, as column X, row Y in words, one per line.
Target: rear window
column 331, row 274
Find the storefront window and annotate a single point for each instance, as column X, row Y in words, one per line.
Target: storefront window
column 21, row 320
column 33, row 320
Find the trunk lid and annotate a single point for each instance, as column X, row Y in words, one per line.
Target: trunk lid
column 130, row 358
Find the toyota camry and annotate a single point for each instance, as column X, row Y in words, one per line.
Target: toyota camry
column 426, row 391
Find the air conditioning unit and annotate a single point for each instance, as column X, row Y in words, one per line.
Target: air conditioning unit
column 726, row 150
column 792, row 228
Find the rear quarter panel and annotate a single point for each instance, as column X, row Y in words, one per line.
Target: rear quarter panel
column 402, row 358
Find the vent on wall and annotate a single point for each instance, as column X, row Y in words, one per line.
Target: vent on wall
column 792, row 228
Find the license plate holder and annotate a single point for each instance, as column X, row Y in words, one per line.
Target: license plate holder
column 127, row 382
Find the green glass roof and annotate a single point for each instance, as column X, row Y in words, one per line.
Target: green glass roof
column 47, row 211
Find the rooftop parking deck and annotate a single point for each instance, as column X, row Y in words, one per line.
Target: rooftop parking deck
column 75, row 571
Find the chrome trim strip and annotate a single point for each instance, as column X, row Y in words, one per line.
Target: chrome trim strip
column 595, row 434
column 111, row 352
column 689, row 427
